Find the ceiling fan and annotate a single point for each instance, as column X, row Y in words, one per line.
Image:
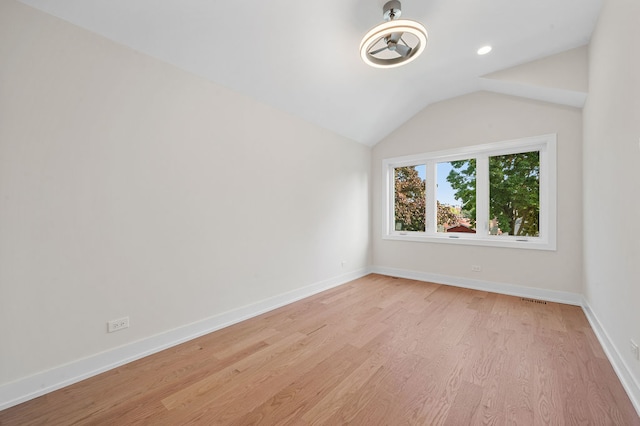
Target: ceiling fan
column 395, row 42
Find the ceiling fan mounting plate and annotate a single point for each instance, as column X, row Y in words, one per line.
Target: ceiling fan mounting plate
column 392, row 10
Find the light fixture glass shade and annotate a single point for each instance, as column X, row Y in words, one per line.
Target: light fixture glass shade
column 385, row 30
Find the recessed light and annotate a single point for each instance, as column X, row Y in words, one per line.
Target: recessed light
column 484, row 50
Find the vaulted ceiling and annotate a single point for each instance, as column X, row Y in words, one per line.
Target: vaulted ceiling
column 302, row 57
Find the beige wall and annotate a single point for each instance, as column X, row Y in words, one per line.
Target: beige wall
column 612, row 180
column 475, row 119
column 129, row 187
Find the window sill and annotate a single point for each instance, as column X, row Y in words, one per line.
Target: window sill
column 465, row 239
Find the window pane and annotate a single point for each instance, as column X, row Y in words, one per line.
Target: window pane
column 410, row 198
column 514, row 194
column 456, row 200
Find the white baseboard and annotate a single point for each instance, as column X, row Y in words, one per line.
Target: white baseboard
column 493, row 287
column 630, row 384
column 48, row 381
column 22, row 390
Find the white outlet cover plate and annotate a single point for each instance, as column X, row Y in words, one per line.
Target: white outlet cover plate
column 117, row 324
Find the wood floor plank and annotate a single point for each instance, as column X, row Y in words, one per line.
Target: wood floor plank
column 334, row 402
column 290, row 403
column 465, row 405
column 214, row 381
column 377, row 350
column 519, row 402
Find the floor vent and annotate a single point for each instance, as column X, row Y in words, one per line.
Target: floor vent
column 542, row 302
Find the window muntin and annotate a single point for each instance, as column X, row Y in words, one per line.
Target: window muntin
column 525, row 169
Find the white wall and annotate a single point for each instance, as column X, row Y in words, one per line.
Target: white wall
column 129, row 187
column 612, row 180
column 475, row 119
column 568, row 70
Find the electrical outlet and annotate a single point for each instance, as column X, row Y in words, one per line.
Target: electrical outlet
column 118, row 324
column 476, row 268
column 634, row 349
column 343, row 263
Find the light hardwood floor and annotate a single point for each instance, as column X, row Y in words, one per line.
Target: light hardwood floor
column 375, row 351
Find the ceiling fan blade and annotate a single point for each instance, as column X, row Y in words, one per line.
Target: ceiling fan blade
column 403, row 50
column 395, row 37
column 375, row 52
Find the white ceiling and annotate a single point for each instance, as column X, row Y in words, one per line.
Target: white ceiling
column 302, row 56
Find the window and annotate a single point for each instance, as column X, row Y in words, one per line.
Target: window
column 514, row 194
column 499, row 194
column 409, row 198
column 456, row 208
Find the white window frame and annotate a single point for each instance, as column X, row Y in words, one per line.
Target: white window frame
column 545, row 144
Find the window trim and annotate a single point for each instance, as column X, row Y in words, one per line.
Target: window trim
column 545, row 144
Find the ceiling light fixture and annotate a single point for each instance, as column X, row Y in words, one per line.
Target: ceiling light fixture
column 484, row 50
column 394, row 42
